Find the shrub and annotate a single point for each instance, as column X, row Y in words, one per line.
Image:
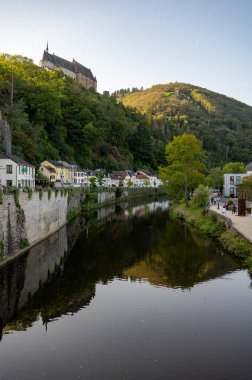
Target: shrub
column 201, row 196
column 15, row 191
column 28, row 190
column 23, row 243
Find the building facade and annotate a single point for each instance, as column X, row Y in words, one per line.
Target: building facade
column 231, row 184
column 15, row 171
column 73, row 69
column 58, row 171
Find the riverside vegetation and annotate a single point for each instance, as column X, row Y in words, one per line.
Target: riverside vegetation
column 184, row 176
column 209, row 223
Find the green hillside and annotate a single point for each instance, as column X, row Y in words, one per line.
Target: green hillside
column 53, row 117
column 223, row 124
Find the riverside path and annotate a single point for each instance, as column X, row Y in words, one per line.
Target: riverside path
column 241, row 224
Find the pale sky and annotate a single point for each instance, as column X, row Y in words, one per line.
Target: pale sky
column 134, row 43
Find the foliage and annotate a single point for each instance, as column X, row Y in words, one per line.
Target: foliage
column 201, row 196
column 245, row 188
column 40, row 176
column 53, row 117
column 215, row 178
column 28, row 190
column 92, row 181
column 234, row 167
column 185, row 168
column 236, row 244
column 15, row 191
column 211, row 225
column 218, row 121
column 23, row 243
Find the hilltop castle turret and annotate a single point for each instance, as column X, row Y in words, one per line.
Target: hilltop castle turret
column 72, row 69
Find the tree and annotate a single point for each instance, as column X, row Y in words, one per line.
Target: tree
column 234, row 167
column 201, row 196
column 215, row 178
column 184, row 172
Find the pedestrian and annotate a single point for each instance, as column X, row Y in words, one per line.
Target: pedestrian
column 215, row 200
column 234, row 209
column 224, row 209
column 212, row 200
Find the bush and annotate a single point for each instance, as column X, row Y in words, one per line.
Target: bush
column 201, row 196
column 28, row 190
column 15, row 191
column 23, row 243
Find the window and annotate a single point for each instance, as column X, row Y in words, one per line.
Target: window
column 238, row 180
column 9, row 169
column 231, row 191
column 9, row 183
column 231, row 180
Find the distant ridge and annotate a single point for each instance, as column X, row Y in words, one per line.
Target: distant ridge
column 223, row 124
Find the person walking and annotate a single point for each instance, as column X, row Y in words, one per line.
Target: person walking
column 234, row 209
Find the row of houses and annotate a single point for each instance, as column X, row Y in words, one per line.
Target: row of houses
column 62, row 173
column 15, row 171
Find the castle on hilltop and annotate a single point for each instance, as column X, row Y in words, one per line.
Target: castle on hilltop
column 72, row 69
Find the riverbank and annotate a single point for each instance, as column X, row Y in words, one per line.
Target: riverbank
column 28, row 218
column 219, row 227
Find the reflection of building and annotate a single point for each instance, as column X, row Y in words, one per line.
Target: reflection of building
column 15, row 171
column 72, row 69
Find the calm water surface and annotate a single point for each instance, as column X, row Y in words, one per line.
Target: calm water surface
column 127, row 295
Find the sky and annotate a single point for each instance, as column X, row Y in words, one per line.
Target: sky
column 139, row 43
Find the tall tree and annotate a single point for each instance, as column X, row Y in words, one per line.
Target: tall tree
column 185, row 158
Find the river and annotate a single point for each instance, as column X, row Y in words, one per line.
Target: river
column 126, row 294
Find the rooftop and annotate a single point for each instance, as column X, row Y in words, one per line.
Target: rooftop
column 73, row 66
column 15, row 159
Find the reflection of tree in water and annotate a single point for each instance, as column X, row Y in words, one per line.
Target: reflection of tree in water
column 98, row 258
column 182, row 258
column 164, row 252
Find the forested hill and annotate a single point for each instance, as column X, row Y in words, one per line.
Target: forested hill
column 53, row 117
column 223, row 124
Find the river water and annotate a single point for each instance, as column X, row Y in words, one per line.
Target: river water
column 126, row 294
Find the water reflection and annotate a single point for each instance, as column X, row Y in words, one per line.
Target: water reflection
column 139, row 242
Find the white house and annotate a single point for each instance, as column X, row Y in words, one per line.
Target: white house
column 231, row 184
column 122, row 177
column 15, row 171
column 80, row 177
